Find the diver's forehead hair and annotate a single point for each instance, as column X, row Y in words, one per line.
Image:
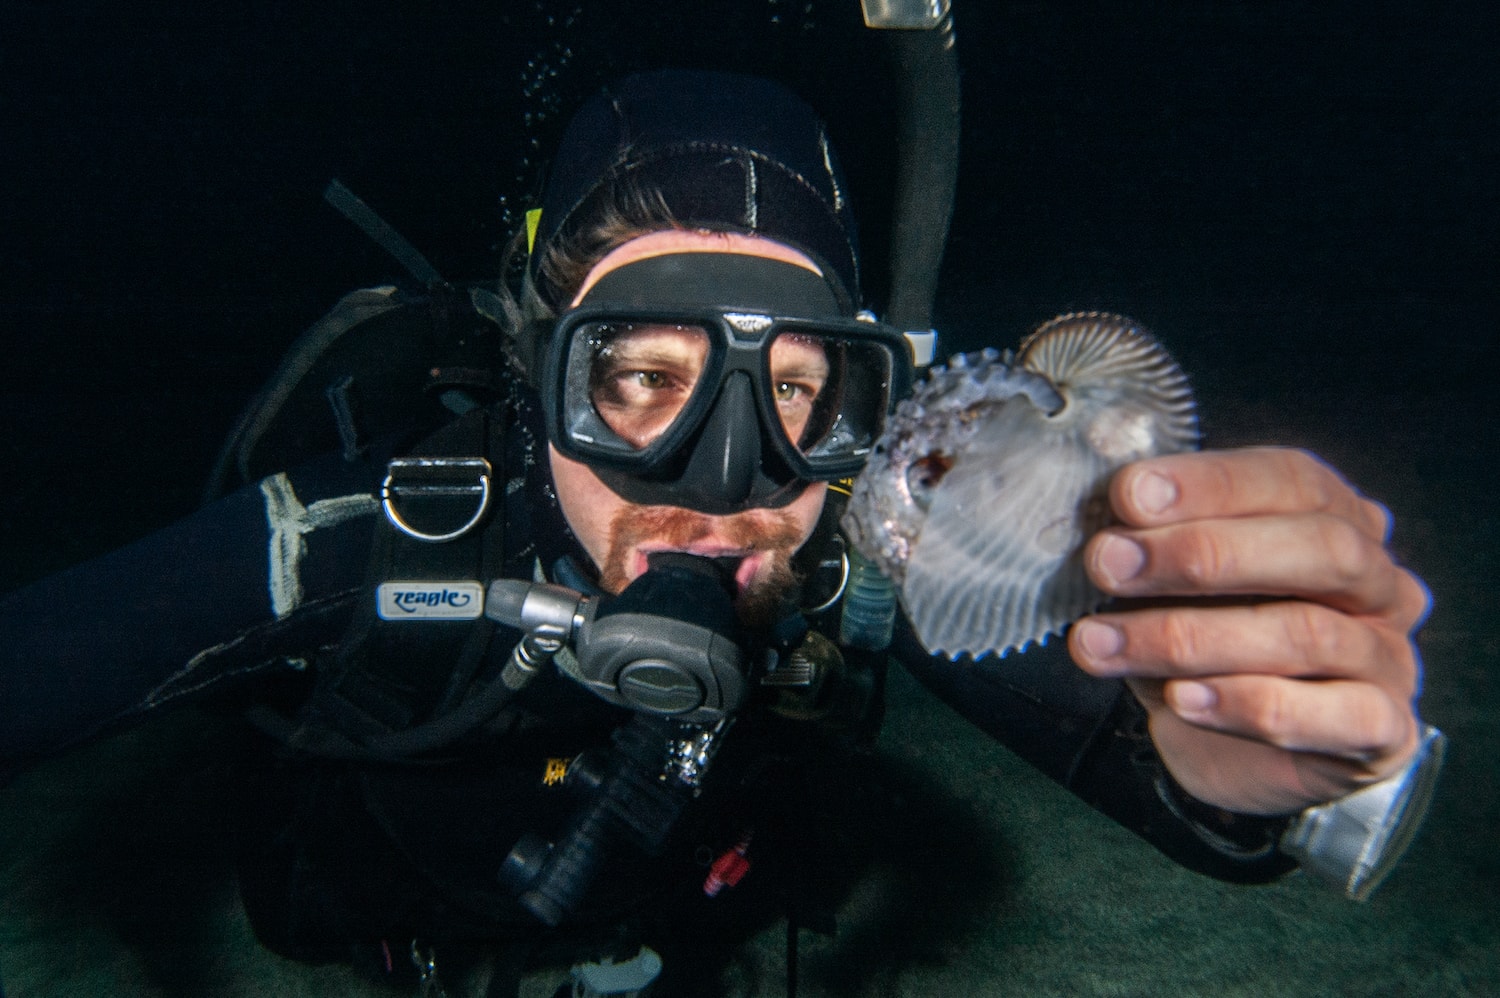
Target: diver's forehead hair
column 674, row 241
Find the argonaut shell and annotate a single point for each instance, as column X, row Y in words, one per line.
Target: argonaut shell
column 990, row 477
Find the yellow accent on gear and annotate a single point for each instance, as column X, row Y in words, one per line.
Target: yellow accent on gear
column 533, row 219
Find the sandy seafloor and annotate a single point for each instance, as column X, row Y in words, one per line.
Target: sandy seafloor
column 1299, row 201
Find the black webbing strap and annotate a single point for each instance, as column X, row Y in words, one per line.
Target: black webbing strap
column 403, row 685
column 378, row 229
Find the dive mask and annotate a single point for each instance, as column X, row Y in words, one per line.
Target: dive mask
column 718, row 382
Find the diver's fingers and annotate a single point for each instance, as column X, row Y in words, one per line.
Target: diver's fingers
column 1358, row 722
column 1275, row 746
column 1250, row 482
column 1292, row 638
column 1317, row 556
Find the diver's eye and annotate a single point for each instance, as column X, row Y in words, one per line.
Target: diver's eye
column 650, row 379
column 641, row 388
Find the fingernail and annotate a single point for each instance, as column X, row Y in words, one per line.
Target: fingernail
column 1153, row 492
column 1192, row 700
column 1121, row 559
column 1098, row 640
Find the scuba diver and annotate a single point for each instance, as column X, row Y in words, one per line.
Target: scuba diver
column 554, row 644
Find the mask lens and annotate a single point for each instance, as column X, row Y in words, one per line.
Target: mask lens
column 800, row 369
column 641, row 375
column 831, row 391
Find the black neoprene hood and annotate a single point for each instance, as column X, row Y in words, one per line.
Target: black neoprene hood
column 726, row 152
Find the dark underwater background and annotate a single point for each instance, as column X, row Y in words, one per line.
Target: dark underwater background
column 1299, row 199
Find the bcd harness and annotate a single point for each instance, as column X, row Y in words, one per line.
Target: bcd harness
column 420, row 687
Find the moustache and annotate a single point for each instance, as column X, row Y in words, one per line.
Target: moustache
column 752, row 530
column 672, row 527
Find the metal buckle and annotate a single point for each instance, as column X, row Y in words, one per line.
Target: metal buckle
column 443, row 479
column 908, row 14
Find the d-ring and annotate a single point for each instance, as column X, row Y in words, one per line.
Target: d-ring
column 435, row 478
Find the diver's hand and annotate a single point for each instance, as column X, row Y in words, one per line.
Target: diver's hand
column 1258, row 706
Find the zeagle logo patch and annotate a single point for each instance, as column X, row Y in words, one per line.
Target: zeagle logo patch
column 429, row 600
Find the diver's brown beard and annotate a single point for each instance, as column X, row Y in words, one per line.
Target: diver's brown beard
column 767, row 530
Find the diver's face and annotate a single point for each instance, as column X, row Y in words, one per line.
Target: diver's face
column 618, row 535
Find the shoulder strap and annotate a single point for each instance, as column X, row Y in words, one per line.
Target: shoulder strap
column 403, row 686
column 382, row 363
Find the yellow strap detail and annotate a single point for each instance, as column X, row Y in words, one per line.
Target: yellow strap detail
column 533, row 219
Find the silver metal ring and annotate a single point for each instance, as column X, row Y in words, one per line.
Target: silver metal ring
column 435, row 478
